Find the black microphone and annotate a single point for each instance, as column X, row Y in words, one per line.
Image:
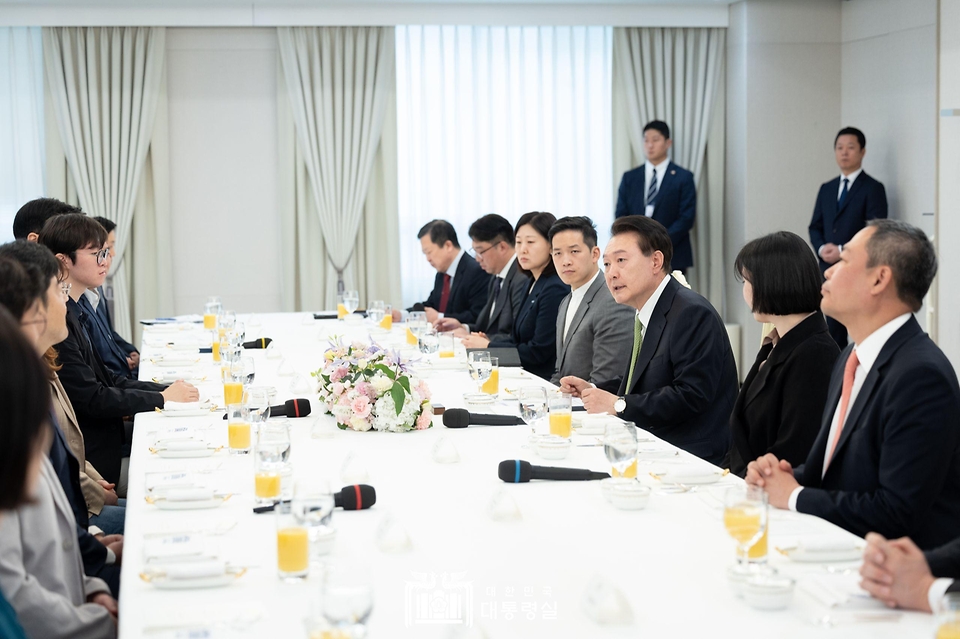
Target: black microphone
column 290, row 408
column 355, row 497
column 517, row 471
column 461, row 418
column 260, row 342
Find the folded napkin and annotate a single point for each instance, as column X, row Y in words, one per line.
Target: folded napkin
column 184, row 444
column 195, row 569
column 827, row 545
column 188, row 494
column 169, row 377
column 175, row 406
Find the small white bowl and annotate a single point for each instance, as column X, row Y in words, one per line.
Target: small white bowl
column 553, row 447
column 738, row 574
column 479, row 401
column 324, row 541
column 768, row 592
column 630, row 495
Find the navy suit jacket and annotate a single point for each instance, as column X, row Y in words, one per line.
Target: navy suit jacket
column 100, row 398
column 896, row 468
column 103, row 310
column 535, row 327
column 468, row 292
column 101, row 337
column 675, row 206
column 686, row 377
column 866, row 200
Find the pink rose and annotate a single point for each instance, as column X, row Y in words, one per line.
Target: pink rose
column 423, row 390
column 425, row 419
column 361, row 406
column 366, row 388
column 337, row 389
column 339, row 374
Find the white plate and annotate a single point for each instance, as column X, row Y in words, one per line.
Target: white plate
column 690, row 478
column 200, row 504
column 186, row 454
column 163, row 583
column 174, row 361
column 823, row 555
column 198, row 412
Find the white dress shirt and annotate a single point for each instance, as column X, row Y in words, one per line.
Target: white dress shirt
column 853, row 176
column 503, row 278
column 452, row 269
column 648, row 174
column 646, row 311
column 937, row 590
column 93, row 297
column 576, row 297
column 867, row 352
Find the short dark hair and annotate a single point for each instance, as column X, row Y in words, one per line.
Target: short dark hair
column 440, row 231
column 659, row 126
column 651, row 235
column 33, row 255
column 783, row 272
column 849, row 130
column 18, row 288
column 910, row 255
column 580, row 223
column 25, row 397
column 34, row 214
column 71, row 232
column 108, row 225
column 492, row 228
column 540, row 222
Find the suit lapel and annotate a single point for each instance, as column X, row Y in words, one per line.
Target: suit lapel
column 582, row 309
column 504, row 296
column 667, row 180
column 760, row 379
column 562, row 343
column 59, row 497
column 813, row 468
column 850, row 192
column 653, row 333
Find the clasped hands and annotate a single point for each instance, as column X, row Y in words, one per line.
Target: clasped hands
column 775, row 476
column 594, row 400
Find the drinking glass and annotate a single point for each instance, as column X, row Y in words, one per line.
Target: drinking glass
column 312, row 504
column 492, row 385
column 561, row 417
column 238, row 429
column 232, row 376
column 480, row 367
column 375, row 311
column 416, row 321
column 214, row 343
column 273, row 449
column 428, row 340
column 258, row 400
column 387, row 320
column 745, row 517
column 293, row 544
column 210, row 312
column 351, row 300
column 347, row 597
column 249, row 368
column 533, row 405
column 620, row 446
column 227, row 319
column 446, row 343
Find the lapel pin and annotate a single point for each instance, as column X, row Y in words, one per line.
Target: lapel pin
column 673, row 172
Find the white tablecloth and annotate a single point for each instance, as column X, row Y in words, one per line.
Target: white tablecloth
column 518, row 578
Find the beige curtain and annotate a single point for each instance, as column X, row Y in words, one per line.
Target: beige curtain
column 676, row 75
column 104, row 84
column 309, row 281
column 339, row 81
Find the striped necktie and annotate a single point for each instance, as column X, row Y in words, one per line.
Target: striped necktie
column 652, row 191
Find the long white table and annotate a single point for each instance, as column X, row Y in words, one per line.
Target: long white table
column 514, row 578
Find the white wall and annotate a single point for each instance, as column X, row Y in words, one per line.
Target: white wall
column 783, row 110
column 948, row 208
column 222, row 86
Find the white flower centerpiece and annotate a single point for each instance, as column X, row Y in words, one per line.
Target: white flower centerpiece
column 365, row 387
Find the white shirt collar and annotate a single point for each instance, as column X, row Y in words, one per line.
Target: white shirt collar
column 452, row 269
column 580, row 292
column 506, row 269
column 869, row 349
column 661, row 168
column 93, row 297
column 646, row 311
column 853, row 176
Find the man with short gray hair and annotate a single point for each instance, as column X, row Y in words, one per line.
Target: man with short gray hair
column 887, row 458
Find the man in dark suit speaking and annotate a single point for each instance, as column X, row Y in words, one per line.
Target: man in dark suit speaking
column 844, row 205
column 680, row 382
column 887, row 458
column 663, row 191
column 460, row 288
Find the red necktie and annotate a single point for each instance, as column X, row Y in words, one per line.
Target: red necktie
column 849, row 372
column 444, row 294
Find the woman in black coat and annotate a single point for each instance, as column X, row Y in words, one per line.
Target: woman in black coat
column 781, row 402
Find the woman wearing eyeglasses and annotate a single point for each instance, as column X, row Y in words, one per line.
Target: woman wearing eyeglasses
column 535, row 323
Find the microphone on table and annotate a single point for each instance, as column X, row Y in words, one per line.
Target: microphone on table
column 355, row 497
column 260, row 342
column 461, row 418
column 517, row 471
column 290, row 408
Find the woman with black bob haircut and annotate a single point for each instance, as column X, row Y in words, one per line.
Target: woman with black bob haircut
column 782, row 398
column 535, row 321
column 24, row 433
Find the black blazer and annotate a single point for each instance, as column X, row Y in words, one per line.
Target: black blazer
column 945, row 562
column 780, row 405
column 468, row 292
column 675, row 206
column 100, row 398
column 866, row 200
column 896, row 468
column 103, row 310
column 686, row 378
column 535, row 328
column 513, row 290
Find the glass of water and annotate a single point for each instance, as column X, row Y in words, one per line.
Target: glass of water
column 312, row 505
column 351, row 300
column 375, row 311
column 428, row 340
column 249, row 370
column 533, row 405
column 620, row 445
column 480, row 367
column 347, row 597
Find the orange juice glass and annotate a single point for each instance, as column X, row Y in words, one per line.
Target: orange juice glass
column 293, row 544
column 561, row 418
column 341, row 311
column 209, row 321
column 232, row 392
column 492, row 385
column 629, row 473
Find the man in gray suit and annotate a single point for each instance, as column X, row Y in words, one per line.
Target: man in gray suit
column 594, row 333
column 493, row 248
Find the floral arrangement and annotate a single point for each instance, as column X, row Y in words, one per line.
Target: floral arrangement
column 365, row 387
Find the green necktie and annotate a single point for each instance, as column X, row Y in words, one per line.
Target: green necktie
column 637, row 341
